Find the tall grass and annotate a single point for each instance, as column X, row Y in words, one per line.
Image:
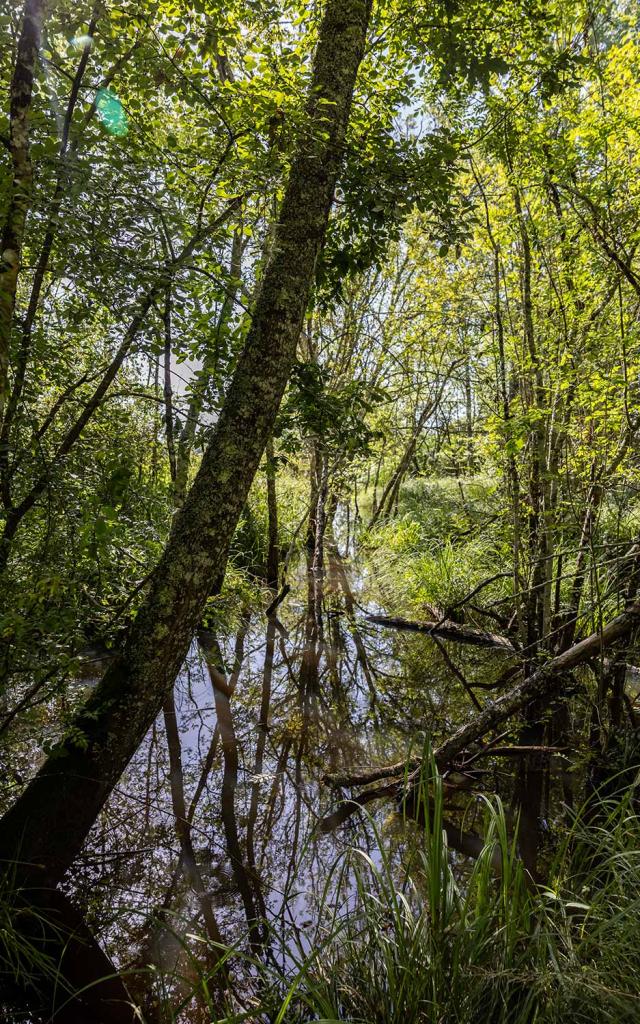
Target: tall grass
column 419, row 938
column 25, row 964
column 439, row 546
column 429, row 943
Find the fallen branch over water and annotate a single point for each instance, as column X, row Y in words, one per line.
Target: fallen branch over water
column 512, row 751
column 447, row 630
column 540, row 686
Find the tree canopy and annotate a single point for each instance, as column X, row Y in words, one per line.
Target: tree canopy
column 330, row 312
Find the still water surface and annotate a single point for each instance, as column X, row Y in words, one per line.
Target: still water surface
column 316, row 689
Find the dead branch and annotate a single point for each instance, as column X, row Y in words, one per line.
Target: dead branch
column 447, row 631
column 542, row 686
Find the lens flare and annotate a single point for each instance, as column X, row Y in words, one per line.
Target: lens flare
column 79, row 42
column 111, row 112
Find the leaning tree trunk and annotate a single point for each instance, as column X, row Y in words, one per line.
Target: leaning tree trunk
column 47, row 826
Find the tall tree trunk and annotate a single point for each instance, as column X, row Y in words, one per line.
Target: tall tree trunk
column 468, row 404
column 21, row 180
column 47, row 826
column 168, row 389
column 528, row 786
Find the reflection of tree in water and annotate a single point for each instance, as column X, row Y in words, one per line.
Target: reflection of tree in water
column 214, row 831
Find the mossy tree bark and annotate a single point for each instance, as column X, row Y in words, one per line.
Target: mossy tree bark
column 48, row 824
column 21, row 180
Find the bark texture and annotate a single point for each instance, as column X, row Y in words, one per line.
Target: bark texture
column 50, row 821
column 22, row 176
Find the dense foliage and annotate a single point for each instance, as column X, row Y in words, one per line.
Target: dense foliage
column 461, row 421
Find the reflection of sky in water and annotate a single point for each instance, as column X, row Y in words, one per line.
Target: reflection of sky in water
column 343, row 716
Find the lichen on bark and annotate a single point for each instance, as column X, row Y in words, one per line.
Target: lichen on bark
column 50, row 821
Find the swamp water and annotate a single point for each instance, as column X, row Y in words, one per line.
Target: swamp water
column 240, row 769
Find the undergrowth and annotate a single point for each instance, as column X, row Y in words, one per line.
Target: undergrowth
column 424, row 939
column 438, row 945
column 445, row 540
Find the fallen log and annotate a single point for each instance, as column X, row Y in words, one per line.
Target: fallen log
column 541, row 686
column 348, row 807
column 447, row 630
column 362, row 776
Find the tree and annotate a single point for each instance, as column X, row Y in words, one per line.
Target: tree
column 11, row 241
column 48, row 823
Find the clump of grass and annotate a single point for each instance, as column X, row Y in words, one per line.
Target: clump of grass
column 448, row 506
column 413, row 937
column 413, row 578
column 25, row 965
column 446, row 538
column 429, row 944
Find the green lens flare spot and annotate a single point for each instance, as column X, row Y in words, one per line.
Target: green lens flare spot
column 79, row 42
column 111, row 112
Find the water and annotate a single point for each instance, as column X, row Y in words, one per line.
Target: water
column 312, row 693
column 318, row 690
